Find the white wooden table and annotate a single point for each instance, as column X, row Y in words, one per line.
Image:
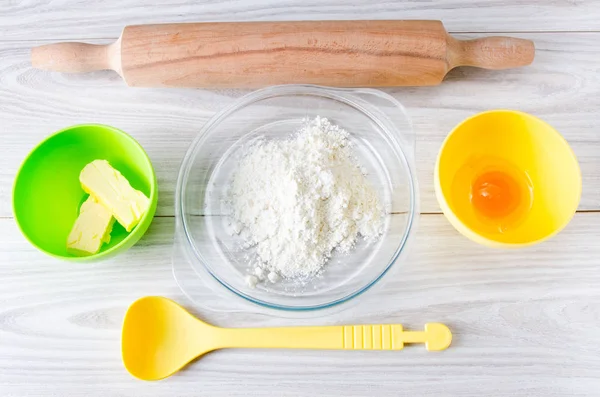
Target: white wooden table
column 526, row 323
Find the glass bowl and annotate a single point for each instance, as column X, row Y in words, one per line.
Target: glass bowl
column 383, row 143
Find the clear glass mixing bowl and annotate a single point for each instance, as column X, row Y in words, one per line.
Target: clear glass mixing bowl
column 211, row 258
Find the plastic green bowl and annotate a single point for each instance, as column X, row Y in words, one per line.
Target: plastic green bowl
column 47, row 193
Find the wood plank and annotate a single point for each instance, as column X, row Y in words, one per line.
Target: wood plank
column 74, row 19
column 526, row 322
column 562, row 87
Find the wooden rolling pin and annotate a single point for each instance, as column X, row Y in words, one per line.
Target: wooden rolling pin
column 254, row 54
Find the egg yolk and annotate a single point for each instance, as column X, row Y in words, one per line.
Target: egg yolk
column 495, row 194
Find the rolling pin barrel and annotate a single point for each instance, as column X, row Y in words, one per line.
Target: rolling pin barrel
column 254, row 54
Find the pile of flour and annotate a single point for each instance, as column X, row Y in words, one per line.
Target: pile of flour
column 297, row 200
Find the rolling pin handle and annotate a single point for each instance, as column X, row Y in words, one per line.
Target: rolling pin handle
column 72, row 57
column 491, row 52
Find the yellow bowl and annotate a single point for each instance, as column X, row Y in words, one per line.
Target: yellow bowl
column 524, row 143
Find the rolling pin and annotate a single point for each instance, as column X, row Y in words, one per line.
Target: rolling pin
column 254, row 54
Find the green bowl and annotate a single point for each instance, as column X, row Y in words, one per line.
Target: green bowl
column 47, row 193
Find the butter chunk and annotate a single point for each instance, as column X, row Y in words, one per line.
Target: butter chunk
column 113, row 191
column 91, row 229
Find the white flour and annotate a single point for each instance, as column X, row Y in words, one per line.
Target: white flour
column 299, row 199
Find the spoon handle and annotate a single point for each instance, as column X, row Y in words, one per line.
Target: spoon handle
column 347, row 337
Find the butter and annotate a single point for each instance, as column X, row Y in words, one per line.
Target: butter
column 91, row 229
column 113, row 191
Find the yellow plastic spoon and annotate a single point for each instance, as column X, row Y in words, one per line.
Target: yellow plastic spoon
column 160, row 337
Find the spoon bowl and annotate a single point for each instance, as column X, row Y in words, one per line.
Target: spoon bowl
column 160, row 337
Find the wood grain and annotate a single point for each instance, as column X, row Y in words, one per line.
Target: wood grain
column 526, row 323
column 79, row 20
column 562, row 86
